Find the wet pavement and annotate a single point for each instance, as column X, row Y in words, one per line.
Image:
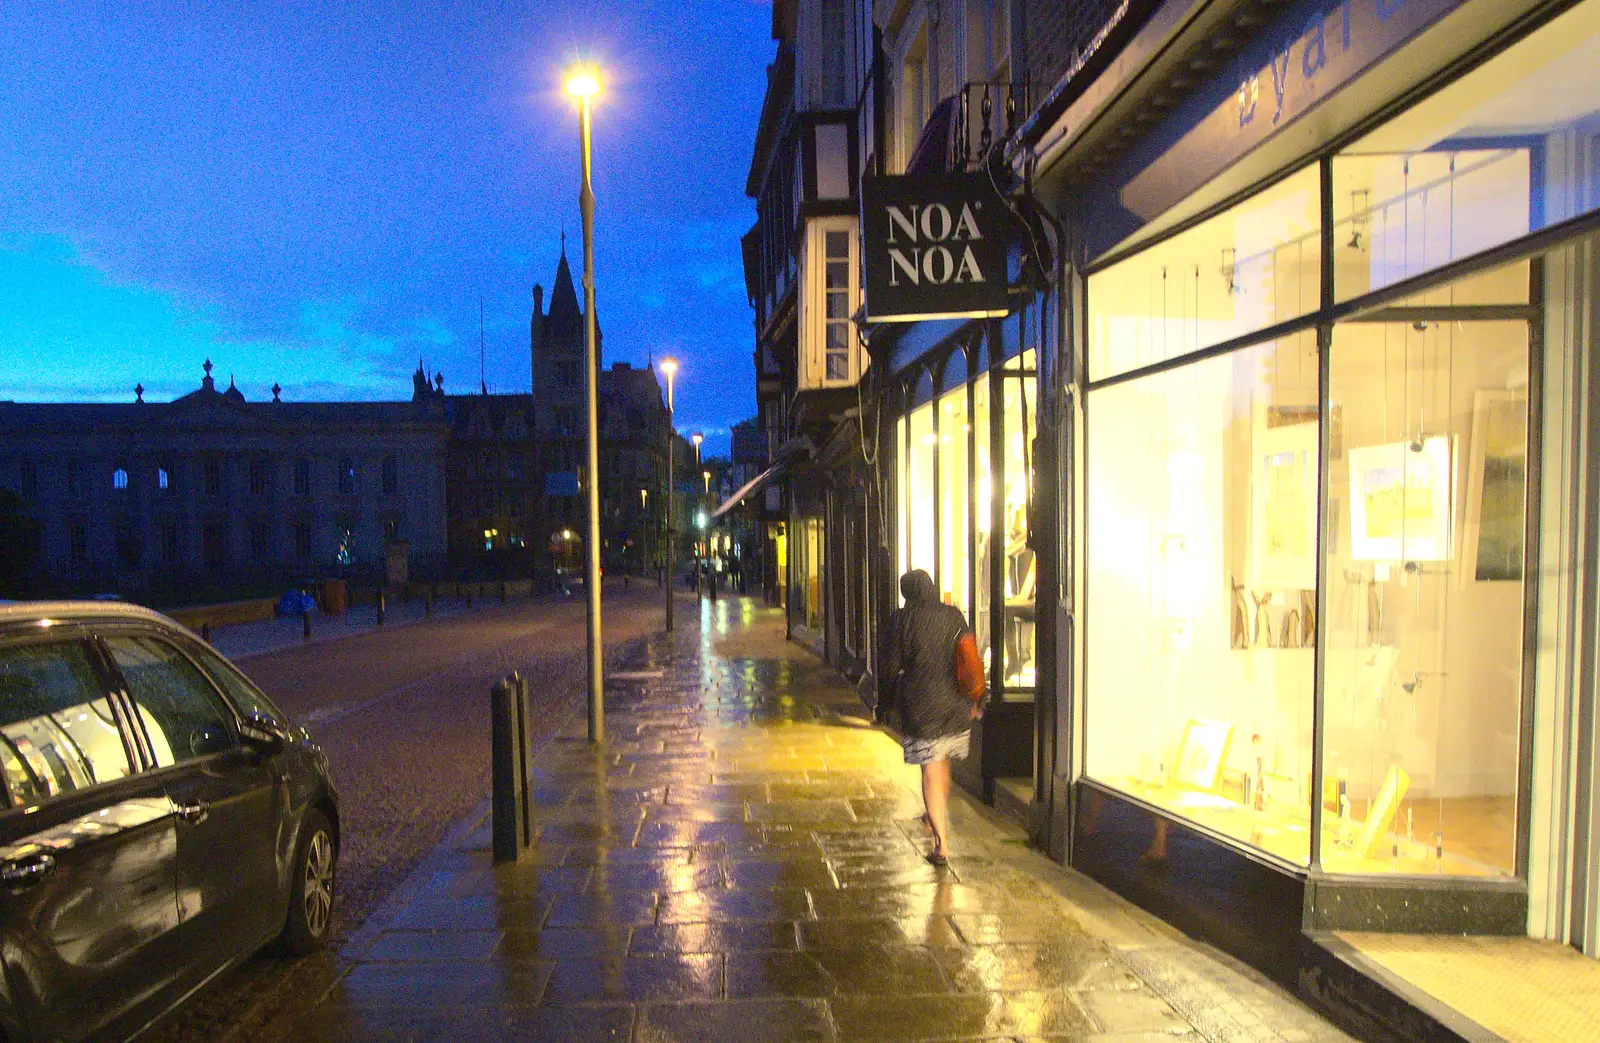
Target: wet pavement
column 743, row 860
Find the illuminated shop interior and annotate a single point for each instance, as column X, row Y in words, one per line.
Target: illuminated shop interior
column 1236, row 530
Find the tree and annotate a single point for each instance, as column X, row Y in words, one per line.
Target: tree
column 19, row 543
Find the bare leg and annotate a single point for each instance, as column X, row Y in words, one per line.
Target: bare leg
column 936, row 796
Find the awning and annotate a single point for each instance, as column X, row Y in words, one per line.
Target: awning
column 754, row 485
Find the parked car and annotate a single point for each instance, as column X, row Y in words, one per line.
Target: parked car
column 160, row 821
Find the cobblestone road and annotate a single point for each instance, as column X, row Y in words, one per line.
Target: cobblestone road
column 404, row 717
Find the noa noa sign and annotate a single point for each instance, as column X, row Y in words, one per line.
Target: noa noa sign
column 934, row 248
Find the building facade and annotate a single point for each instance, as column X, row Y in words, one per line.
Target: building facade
column 147, row 494
column 1270, row 496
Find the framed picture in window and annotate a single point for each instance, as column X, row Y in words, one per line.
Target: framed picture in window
column 1201, row 755
column 1400, row 500
column 1492, row 530
column 1283, row 508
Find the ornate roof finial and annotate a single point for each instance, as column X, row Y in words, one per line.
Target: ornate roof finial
column 207, row 367
column 563, row 239
column 138, row 392
column 206, row 384
column 276, row 391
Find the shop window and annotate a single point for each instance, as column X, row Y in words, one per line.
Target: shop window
column 1244, row 270
column 902, row 487
column 955, row 486
column 983, row 518
column 1020, row 564
column 1427, row 490
column 1494, row 156
column 302, row 477
column 1201, row 567
column 812, row 570
column 921, row 516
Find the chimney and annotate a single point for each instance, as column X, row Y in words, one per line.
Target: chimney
column 535, row 329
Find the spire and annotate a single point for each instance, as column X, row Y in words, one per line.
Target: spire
column 564, row 324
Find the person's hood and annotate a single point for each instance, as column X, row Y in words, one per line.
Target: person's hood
column 917, row 585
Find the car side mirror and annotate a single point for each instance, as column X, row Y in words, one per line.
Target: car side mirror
column 262, row 733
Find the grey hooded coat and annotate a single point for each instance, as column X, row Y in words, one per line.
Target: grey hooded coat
column 918, row 664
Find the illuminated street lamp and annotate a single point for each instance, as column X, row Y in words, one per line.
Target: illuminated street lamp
column 583, row 83
column 707, row 476
column 669, row 369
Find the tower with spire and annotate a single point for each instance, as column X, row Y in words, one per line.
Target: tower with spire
column 557, row 350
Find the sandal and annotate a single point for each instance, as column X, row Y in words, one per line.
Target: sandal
column 937, row 860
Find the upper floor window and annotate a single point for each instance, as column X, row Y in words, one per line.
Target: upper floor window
column 916, row 93
column 834, row 55
column 391, row 475
column 836, row 290
column 258, row 478
column 302, row 477
column 119, row 478
column 831, row 293
column 163, row 478
column 30, row 480
column 213, row 476
column 75, row 478
column 347, row 475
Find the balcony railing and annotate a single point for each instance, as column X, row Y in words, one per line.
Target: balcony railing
column 986, row 114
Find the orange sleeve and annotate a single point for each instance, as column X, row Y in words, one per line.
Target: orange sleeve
column 969, row 668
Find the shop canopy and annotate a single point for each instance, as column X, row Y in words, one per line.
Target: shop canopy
column 791, row 451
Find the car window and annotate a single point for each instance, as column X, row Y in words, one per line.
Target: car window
column 180, row 709
column 58, row 730
column 247, row 698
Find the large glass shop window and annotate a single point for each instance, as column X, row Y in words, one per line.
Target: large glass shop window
column 919, row 492
column 954, row 488
column 902, row 501
column 1496, row 155
column 1201, row 570
column 983, row 517
column 1427, row 483
column 1019, row 562
column 1244, row 270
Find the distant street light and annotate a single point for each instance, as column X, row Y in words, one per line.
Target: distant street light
column 707, row 476
column 583, row 83
column 669, row 369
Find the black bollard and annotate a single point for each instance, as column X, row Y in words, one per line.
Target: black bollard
column 305, row 625
column 427, row 601
column 509, row 821
column 381, row 607
column 469, row 595
column 502, row 592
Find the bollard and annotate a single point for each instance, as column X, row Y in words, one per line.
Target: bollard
column 205, row 632
column 524, row 758
column 469, row 595
column 381, row 606
column 510, row 822
column 305, row 625
column 427, row 601
column 502, row 592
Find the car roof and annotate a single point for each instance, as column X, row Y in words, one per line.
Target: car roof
column 22, row 613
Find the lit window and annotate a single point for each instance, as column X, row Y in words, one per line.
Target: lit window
column 119, row 478
column 836, row 290
column 163, row 479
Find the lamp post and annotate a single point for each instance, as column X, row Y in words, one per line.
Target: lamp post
column 584, row 84
column 669, row 369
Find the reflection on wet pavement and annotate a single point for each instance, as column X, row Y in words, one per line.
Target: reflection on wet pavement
column 742, row 861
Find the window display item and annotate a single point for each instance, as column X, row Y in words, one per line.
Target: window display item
column 1380, row 814
column 1400, row 497
column 1284, row 508
column 1202, row 754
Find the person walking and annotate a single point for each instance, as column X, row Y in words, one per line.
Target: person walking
column 932, row 672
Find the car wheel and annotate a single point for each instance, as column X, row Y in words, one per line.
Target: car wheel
column 311, row 888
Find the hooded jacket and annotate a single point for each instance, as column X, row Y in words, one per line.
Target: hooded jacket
column 919, row 646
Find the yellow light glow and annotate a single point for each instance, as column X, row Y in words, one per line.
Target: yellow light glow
column 669, row 366
column 583, row 82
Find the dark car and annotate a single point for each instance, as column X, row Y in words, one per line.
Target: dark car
column 159, row 821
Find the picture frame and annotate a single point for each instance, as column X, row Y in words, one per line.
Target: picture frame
column 1202, row 755
column 1381, row 812
column 1401, row 500
column 1283, row 508
column 1493, row 528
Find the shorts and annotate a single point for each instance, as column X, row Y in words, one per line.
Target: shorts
column 944, row 748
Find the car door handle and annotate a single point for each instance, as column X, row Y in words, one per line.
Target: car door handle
column 23, row 872
column 194, row 813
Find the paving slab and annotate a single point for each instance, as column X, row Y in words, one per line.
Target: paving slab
column 744, row 861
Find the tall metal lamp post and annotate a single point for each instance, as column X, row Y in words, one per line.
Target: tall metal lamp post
column 584, row 83
column 669, row 369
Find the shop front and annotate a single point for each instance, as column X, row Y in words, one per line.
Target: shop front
column 962, row 418
column 1330, row 357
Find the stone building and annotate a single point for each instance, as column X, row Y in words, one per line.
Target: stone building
column 213, row 488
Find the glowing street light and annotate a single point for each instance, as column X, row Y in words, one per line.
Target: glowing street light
column 707, row 476
column 583, row 83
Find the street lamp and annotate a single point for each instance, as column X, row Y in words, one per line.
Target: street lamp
column 583, row 83
column 669, row 369
column 707, row 476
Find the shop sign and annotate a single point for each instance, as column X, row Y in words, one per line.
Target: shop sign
column 935, row 247
column 1310, row 51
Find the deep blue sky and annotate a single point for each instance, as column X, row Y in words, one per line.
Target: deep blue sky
column 318, row 193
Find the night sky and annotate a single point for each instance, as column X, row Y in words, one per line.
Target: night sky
column 319, row 193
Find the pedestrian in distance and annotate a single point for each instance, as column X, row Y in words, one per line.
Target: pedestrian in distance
column 934, row 678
